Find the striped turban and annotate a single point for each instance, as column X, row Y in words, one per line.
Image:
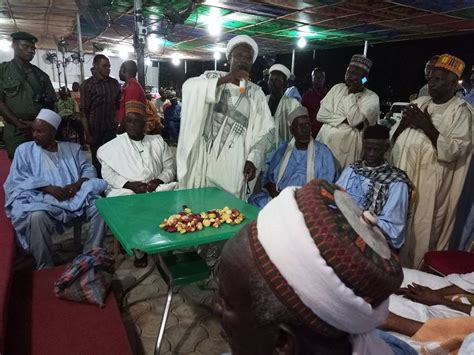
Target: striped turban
column 450, row 63
column 137, row 107
column 334, row 272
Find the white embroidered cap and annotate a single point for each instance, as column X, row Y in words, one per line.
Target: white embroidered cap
column 49, row 116
column 240, row 40
column 281, row 68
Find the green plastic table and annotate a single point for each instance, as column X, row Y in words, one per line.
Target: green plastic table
column 135, row 221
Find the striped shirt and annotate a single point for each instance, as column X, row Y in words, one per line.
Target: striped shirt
column 99, row 103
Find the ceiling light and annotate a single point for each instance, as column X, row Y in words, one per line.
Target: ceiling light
column 302, row 42
column 153, row 42
column 154, row 27
column 108, row 53
column 5, row 45
column 217, row 56
column 175, row 59
column 214, row 28
column 123, row 54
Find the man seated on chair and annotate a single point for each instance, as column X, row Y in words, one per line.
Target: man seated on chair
column 283, row 289
column 136, row 163
column 50, row 185
column 68, row 109
column 296, row 162
column 379, row 187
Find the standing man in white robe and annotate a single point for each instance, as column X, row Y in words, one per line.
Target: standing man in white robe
column 346, row 110
column 433, row 145
column 281, row 106
column 134, row 162
column 224, row 122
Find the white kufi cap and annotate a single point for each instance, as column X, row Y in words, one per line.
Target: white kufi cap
column 281, row 68
column 49, row 116
column 242, row 39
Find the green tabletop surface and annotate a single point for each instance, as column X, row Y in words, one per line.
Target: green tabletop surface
column 135, row 219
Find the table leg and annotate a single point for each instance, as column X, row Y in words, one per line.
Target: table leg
column 135, row 284
column 166, row 312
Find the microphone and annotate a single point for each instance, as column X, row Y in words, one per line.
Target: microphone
column 242, row 86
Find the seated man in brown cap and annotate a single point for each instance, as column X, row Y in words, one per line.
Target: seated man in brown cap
column 346, row 110
column 296, row 162
column 378, row 187
column 24, row 90
column 306, row 278
column 136, row 163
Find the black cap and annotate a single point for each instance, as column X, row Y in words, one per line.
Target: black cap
column 24, row 36
column 376, row 132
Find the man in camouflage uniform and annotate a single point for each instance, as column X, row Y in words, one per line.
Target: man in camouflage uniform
column 24, row 91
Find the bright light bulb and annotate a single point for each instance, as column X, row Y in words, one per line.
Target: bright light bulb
column 5, row 45
column 176, row 60
column 148, row 62
column 154, row 27
column 214, row 28
column 302, row 42
column 123, row 54
column 153, row 42
column 217, row 56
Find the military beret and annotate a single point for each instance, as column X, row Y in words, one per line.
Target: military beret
column 24, row 36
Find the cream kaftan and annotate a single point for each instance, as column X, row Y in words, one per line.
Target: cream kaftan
column 340, row 113
column 437, row 173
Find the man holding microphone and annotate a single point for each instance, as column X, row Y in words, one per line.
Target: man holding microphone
column 224, row 121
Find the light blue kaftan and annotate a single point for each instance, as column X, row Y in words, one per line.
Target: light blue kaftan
column 392, row 219
column 295, row 172
column 34, row 168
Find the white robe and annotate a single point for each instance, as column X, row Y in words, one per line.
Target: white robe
column 282, row 126
column 219, row 161
column 124, row 160
column 403, row 307
column 343, row 138
column 437, row 173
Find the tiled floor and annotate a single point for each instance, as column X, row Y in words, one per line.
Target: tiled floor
column 191, row 327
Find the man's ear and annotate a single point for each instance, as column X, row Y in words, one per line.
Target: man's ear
column 286, row 341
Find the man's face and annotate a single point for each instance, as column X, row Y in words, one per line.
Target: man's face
column 429, row 67
column 301, row 129
column 122, row 73
column 442, row 84
column 241, row 57
column 103, row 68
column 135, row 126
column 75, row 87
column 318, row 77
column 374, row 151
column 354, row 75
column 277, row 83
column 43, row 133
column 233, row 305
column 62, row 95
column 24, row 50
